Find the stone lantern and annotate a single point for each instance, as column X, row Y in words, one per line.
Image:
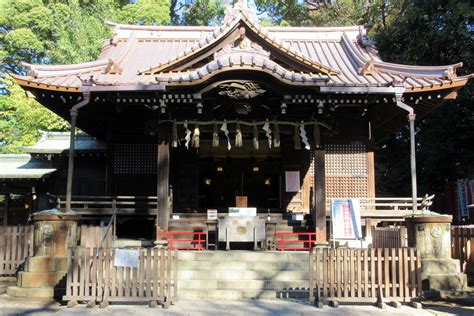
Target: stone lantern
column 430, row 233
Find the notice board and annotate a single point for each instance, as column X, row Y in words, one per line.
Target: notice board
column 345, row 219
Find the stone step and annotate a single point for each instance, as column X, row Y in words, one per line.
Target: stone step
column 241, row 284
column 39, row 279
column 248, row 256
column 239, row 294
column 40, row 292
column 46, row 264
column 229, row 275
column 242, row 265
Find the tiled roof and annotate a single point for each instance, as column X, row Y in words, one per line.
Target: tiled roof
column 14, row 166
column 58, row 142
column 146, row 55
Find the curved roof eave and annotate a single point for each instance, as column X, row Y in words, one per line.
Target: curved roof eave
column 236, row 62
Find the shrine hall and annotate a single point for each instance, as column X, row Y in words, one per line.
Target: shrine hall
column 180, row 125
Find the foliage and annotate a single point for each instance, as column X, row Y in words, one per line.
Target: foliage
column 203, row 12
column 283, row 12
column 432, row 33
column 55, row 32
column 145, row 12
column 22, row 118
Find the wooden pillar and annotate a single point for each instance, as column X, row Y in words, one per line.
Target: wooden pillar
column 319, row 209
column 163, row 215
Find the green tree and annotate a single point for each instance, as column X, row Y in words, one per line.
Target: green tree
column 432, row 33
column 146, row 12
column 55, row 32
column 21, row 119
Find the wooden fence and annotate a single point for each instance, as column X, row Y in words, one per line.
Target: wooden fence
column 93, row 276
column 91, row 236
column 16, row 244
column 462, row 240
column 389, row 237
column 364, row 275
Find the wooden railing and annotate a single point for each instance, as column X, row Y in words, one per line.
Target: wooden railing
column 394, row 203
column 364, row 275
column 105, row 205
column 16, row 244
column 306, row 240
column 199, row 243
column 146, row 205
column 93, row 277
column 462, row 239
column 389, row 237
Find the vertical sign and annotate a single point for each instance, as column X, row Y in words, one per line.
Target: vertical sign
column 462, row 199
column 345, row 219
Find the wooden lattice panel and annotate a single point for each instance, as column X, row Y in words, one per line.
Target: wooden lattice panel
column 135, row 158
column 346, row 171
column 346, row 160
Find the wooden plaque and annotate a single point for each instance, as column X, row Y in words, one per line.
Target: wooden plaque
column 241, row 201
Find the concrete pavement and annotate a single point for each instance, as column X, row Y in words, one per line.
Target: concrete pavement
column 12, row 306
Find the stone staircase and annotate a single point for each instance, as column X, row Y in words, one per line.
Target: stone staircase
column 242, row 274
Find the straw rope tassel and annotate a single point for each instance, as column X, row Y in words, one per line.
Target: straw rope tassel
column 238, row 136
column 255, row 138
column 196, row 135
column 296, row 136
column 276, row 136
column 174, row 135
column 215, row 136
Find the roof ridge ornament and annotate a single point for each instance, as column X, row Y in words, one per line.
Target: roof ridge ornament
column 240, row 7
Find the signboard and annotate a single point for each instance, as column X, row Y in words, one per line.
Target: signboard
column 126, row 258
column 242, row 211
column 292, row 181
column 211, row 215
column 345, row 219
column 463, row 199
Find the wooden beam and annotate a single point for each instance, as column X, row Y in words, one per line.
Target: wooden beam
column 318, row 212
column 163, row 187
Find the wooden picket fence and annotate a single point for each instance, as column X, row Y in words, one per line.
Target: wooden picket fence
column 91, row 236
column 92, row 276
column 16, row 244
column 389, row 237
column 462, row 240
column 364, row 275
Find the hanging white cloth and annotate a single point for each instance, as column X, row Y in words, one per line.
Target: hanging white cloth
column 304, row 138
column 268, row 133
column 187, row 138
column 226, row 132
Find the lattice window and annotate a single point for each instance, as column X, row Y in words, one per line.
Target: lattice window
column 346, row 171
column 135, row 158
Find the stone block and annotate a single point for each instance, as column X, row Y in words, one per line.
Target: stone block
column 447, row 282
column 40, row 292
column 3, row 288
column 38, row 279
column 439, row 266
column 46, row 264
